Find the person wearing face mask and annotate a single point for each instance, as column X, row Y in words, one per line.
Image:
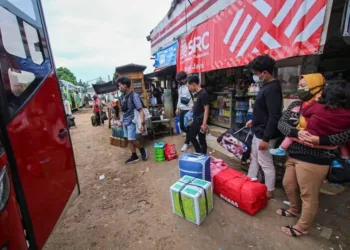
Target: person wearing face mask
column 310, row 90
column 184, row 105
column 266, row 113
column 310, row 156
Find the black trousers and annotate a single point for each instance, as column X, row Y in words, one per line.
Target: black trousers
column 195, row 128
column 182, row 125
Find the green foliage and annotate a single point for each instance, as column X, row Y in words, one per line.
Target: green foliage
column 100, row 81
column 66, row 74
column 85, row 85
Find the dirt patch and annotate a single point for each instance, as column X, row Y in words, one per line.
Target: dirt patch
column 131, row 208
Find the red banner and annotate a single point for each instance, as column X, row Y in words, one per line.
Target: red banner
column 281, row 28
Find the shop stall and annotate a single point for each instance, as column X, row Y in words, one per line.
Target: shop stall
column 229, row 99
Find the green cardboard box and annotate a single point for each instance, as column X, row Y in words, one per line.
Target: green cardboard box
column 192, row 198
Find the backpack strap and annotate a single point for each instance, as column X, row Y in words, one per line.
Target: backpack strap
column 132, row 93
column 191, row 95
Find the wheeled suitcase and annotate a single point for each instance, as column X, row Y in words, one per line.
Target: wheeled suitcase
column 94, row 120
column 238, row 189
column 195, row 165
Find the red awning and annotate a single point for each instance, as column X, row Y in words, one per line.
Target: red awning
column 249, row 28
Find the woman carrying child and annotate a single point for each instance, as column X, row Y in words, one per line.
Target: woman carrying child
column 310, row 154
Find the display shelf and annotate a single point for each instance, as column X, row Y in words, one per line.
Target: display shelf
column 223, row 108
column 227, row 116
column 229, row 108
column 220, row 124
column 222, row 93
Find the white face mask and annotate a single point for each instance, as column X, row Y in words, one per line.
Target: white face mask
column 256, row 79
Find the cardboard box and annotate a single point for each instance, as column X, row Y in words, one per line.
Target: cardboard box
column 192, row 199
column 118, row 142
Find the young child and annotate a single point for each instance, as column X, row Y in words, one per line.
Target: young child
column 327, row 116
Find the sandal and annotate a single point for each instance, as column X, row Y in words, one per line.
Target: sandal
column 293, row 232
column 286, row 213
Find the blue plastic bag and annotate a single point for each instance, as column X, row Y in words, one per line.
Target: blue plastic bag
column 188, row 119
column 177, row 125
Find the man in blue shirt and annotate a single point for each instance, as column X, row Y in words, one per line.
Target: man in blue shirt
column 130, row 102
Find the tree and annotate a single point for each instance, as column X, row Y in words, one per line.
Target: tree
column 85, row 85
column 66, row 74
column 100, row 81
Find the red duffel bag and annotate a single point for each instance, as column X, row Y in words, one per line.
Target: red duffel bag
column 237, row 189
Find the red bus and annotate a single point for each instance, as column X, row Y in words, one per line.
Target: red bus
column 38, row 175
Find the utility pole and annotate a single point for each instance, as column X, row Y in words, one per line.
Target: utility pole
column 109, row 78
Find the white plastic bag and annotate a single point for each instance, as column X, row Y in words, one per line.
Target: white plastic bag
column 137, row 120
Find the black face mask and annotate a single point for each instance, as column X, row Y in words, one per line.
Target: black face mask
column 305, row 93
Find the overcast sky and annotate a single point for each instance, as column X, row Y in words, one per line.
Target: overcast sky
column 92, row 37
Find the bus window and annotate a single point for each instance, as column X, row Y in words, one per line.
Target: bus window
column 33, row 43
column 11, row 34
column 24, row 59
column 26, row 6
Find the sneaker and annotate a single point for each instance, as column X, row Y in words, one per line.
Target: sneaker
column 336, row 164
column 133, row 158
column 184, row 148
column 144, row 154
column 278, row 151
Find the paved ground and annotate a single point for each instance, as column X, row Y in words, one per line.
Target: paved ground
column 131, row 209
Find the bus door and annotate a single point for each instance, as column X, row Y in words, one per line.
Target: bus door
column 36, row 136
column 12, row 234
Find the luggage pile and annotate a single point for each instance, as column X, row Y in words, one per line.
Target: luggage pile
column 200, row 176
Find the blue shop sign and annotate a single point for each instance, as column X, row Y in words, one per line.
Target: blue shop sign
column 166, row 57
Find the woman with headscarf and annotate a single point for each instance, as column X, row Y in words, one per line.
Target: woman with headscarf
column 309, row 158
column 314, row 84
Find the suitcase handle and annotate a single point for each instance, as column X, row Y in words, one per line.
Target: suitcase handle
column 239, row 130
column 248, row 134
column 246, row 178
column 195, row 155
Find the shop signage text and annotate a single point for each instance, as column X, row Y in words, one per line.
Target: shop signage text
column 245, row 29
column 166, row 57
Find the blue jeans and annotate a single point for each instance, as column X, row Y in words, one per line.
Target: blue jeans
column 130, row 131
